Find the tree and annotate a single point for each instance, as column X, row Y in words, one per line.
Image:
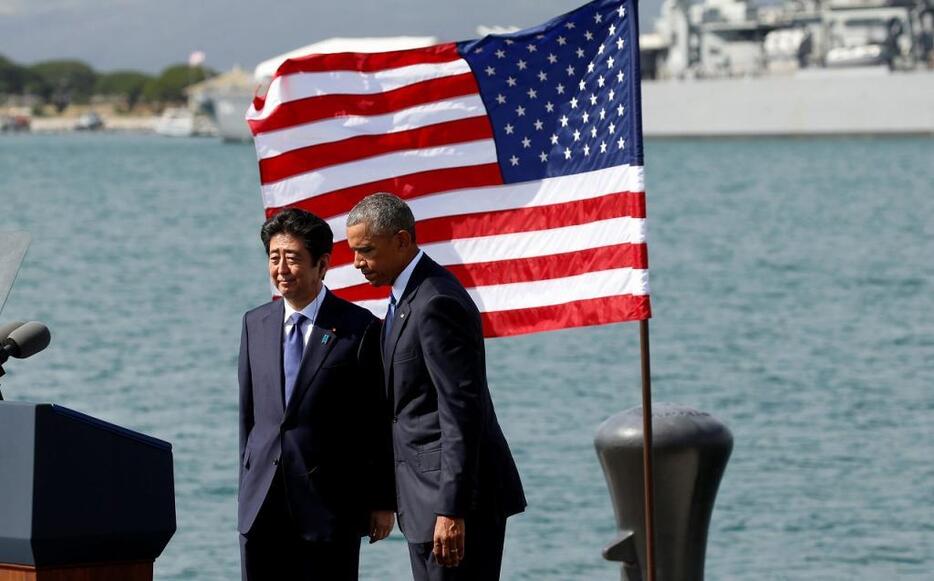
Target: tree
column 170, row 86
column 66, row 81
column 126, row 84
column 12, row 77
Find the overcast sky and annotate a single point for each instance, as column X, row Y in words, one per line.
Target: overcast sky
column 147, row 35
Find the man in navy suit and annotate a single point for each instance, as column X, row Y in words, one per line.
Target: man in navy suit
column 315, row 458
column 456, row 480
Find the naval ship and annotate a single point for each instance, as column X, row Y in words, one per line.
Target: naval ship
column 735, row 68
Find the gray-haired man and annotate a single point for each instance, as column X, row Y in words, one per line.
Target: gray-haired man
column 456, row 480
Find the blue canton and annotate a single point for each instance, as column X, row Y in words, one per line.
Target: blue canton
column 563, row 98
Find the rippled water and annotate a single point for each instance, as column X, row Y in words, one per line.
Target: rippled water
column 793, row 285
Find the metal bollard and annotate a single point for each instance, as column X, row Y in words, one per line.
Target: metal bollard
column 691, row 449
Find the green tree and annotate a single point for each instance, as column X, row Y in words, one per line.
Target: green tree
column 12, row 77
column 169, row 86
column 65, row 81
column 126, row 84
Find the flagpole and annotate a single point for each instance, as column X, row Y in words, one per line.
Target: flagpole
column 647, row 482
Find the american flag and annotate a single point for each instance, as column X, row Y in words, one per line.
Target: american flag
column 520, row 155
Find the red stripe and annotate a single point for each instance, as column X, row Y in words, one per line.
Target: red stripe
column 369, row 62
column 625, row 204
column 306, row 159
column 574, row 314
column 301, row 111
column 406, row 187
column 527, row 269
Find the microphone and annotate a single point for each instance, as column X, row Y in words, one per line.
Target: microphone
column 7, row 328
column 24, row 341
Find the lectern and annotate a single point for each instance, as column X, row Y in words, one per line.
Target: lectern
column 80, row 499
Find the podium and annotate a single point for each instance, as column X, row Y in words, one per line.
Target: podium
column 80, row 499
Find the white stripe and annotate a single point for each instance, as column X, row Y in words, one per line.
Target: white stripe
column 516, row 245
column 543, row 293
column 304, row 85
column 335, row 129
column 335, row 177
column 556, row 190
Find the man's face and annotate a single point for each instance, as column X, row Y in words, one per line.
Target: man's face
column 292, row 271
column 379, row 257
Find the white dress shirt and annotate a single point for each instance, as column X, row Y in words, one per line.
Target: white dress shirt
column 311, row 313
column 398, row 285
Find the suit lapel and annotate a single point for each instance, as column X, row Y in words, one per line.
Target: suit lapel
column 323, row 337
column 271, row 345
column 402, row 316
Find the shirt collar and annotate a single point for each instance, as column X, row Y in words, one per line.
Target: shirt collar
column 402, row 281
column 311, row 309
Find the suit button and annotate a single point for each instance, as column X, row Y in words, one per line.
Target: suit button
column 276, row 461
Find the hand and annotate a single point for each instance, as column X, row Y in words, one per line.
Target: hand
column 449, row 541
column 381, row 523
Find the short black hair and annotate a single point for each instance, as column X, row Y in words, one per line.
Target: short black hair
column 384, row 214
column 314, row 232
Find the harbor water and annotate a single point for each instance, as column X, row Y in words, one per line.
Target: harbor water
column 793, row 292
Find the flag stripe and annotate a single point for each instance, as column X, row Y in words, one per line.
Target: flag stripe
column 543, row 293
column 369, row 62
column 524, row 269
column 518, row 220
column 305, row 85
column 574, row 314
column 340, row 128
column 306, row 159
column 518, row 245
column 377, row 168
column 307, row 110
column 407, row 187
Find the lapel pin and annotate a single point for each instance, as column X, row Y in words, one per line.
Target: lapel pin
column 325, row 339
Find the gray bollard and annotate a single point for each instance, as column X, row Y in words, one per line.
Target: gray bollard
column 691, row 449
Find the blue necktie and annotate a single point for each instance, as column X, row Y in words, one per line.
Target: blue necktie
column 292, row 353
column 390, row 313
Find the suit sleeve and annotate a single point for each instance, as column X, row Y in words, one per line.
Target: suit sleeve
column 451, row 342
column 246, row 392
column 382, row 486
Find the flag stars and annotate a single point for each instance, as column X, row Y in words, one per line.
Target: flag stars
column 590, row 67
column 600, row 81
column 564, row 120
column 580, row 53
column 490, row 71
column 554, row 139
column 532, row 93
column 619, row 43
column 526, row 142
column 549, row 107
column 501, row 99
column 511, row 82
column 609, row 62
column 560, row 89
column 532, row 48
column 602, row 113
column 567, row 153
column 620, row 109
column 543, row 156
column 612, row 127
column 586, row 117
column 586, row 149
column 577, row 135
column 562, row 41
column 509, row 129
column 582, row 85
column 520, row 111
column 514, row 160
column 539, row 125
column 612, row 29
column 500, row 54
column 600, row 49
column 542, row 76
column 588, row 35
column 509, row 41
column 603, row 147
column 593, row 98
column 620, row 76
column 621, row 143
column 611, row 94
column 621, row 11
column 552, row 59
column 570, row 25
column 573, row 102
column 597, row 18
column 570, row 71
column 593, row 132
column 522, row 65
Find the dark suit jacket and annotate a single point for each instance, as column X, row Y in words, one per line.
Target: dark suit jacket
column 332, row 442
column 451, row 456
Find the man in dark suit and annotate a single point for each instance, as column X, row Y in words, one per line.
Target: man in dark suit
column 315, row 460
column 456, row 480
